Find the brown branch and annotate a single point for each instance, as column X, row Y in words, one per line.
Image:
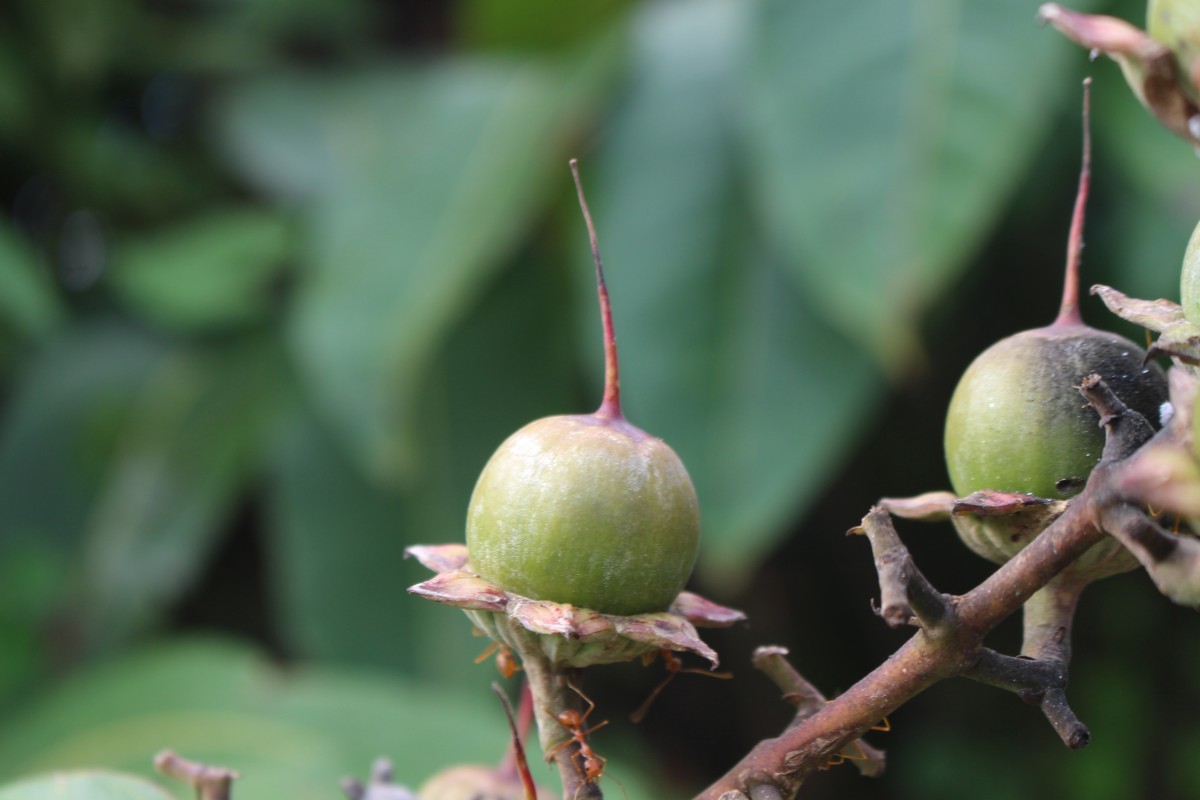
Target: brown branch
column 954, row 646
column 808, row 700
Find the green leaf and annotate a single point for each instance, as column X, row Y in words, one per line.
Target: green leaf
column 190, row 445
column 60, row 430
column 28, row 302
column 289, row 734
column 721, row 356
column 426, row 180
column 121, row 458
column 83, row 785
column 210, row 272
column 884, row 138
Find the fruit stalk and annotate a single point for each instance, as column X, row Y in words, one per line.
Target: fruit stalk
column 551, row 696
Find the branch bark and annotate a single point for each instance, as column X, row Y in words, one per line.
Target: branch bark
column 949, row 640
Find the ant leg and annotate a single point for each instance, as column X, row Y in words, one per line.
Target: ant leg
column 491, row 648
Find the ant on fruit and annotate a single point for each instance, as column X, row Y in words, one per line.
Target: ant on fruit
column 589, row 763
column 674, row 666
column 505, row 663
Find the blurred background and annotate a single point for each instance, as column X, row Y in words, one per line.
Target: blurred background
column 277, row 276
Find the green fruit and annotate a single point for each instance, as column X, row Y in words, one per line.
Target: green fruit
column 1189, row 279
column 1016, row 421
column 587, row 510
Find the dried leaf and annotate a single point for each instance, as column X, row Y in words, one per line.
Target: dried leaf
column 1155, row 315
column 1149, row 66
column 705, row 613
column 927, row 507
column 439, row 557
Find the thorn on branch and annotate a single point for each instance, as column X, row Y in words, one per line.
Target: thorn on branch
column 905, row 595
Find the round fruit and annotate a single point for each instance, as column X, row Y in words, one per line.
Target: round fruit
column 588, row 511
column 1016, row 422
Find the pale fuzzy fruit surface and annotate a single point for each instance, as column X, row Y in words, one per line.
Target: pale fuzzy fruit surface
column 1017, row 422
column 588, row 511
column 1189, row 279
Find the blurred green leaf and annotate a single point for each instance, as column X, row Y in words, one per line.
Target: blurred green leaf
column 121, row 458
column 60, row 430
column 720, row 355
column 289, row 734
column 210, row 272
column 190, row 445
column 28, row 302
column 427, row 179
column 339, row 576
column 543, row 25
column 83, row 785
column 883, row 139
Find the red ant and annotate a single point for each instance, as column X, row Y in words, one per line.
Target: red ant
column 674, row 666
column 589, row 763
column 505, row 663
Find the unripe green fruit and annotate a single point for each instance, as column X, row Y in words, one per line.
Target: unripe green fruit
column 1189, row 279
column 1016, row 421
column 587, row 510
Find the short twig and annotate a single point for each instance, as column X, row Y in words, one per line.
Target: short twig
column 209, row 782
column 1037, row 681
column 906, row 596
column 1126, row 429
